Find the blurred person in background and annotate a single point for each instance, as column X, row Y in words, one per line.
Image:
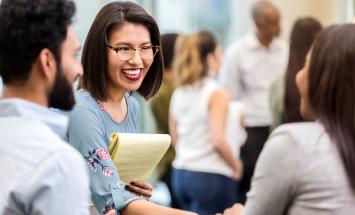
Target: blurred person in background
column 249, row 67
column 160, row 108
column 205, row 169
column 284, row 96
column 308, row 167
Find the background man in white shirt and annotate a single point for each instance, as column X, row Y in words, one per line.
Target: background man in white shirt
column 40, row 173
column 250, row 65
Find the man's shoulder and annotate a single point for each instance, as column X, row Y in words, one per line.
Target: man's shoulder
column 281, row 42
column 32, row 137
column 34, row 154
column 239, row 45
column 32, row 146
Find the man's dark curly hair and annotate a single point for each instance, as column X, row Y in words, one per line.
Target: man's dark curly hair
column 27, row 27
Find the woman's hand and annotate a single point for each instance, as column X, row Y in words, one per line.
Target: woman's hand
column 238, row 171
column 111, row 212
column 237, row 209
column 140, row 188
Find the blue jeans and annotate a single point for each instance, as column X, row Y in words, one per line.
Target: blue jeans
column 203, row 193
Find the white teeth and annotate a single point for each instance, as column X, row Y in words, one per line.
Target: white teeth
column 132, row 71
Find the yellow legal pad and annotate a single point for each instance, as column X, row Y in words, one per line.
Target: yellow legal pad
column 136, row 155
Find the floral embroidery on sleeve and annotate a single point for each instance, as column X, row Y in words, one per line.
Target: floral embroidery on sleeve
column 107, row 171
column 95, row 159
column 102, row 153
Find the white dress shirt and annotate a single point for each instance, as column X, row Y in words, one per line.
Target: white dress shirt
column 40, row 173
column 247, row 72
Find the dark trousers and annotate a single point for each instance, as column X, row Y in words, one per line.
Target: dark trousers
column 203, row 193
column 249, row 153
column 166, row 178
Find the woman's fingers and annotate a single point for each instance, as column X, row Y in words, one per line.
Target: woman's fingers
column 140, row 188
column 237, row 209
column 142, row 184
column 111, row 212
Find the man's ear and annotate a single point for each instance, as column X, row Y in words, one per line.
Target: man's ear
column 47, row 64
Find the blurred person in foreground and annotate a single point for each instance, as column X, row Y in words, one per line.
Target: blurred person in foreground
column 308, row 168
column 40, row 173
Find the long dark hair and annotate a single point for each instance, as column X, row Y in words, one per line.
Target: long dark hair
column 332, row 89
column 168, row 49
column 303, row 33
column 94, row 57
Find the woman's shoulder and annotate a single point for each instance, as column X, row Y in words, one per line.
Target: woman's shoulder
column 83, row 96
column 301, row 134
column 203, row 85
column 83, row 100
column 299, row 129
column 295, row 143
column 85, row 106
column 132, row 100
column 132, row 104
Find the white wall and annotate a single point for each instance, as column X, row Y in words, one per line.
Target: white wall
column 326, row 11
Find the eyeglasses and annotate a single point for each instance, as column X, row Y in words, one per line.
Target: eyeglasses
column 126, row 52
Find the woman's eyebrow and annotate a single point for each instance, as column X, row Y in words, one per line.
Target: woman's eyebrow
column 129, row 44
column 146, row 43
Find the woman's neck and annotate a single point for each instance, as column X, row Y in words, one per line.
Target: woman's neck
column 115, row 104
column 115, row 96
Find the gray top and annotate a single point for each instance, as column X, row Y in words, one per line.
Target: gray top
column 90, row 128
column 300, row 172
column 40, row 173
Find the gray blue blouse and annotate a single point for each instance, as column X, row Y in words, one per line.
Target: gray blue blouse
column 89, row 131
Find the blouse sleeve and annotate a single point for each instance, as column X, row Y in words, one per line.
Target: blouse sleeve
column 86, row 133
column 275, row 179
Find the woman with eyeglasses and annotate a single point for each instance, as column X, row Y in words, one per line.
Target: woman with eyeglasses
column 120, row 58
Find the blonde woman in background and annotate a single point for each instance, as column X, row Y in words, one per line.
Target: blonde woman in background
column 205, row 169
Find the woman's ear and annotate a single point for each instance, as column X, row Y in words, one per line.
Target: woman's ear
column 47, row 64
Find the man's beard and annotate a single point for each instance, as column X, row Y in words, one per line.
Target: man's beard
column 61, row 95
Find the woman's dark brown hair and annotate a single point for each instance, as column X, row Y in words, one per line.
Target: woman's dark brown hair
column 332, row 89
column 303, row 33
column 168, row 47
column 95, row 58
